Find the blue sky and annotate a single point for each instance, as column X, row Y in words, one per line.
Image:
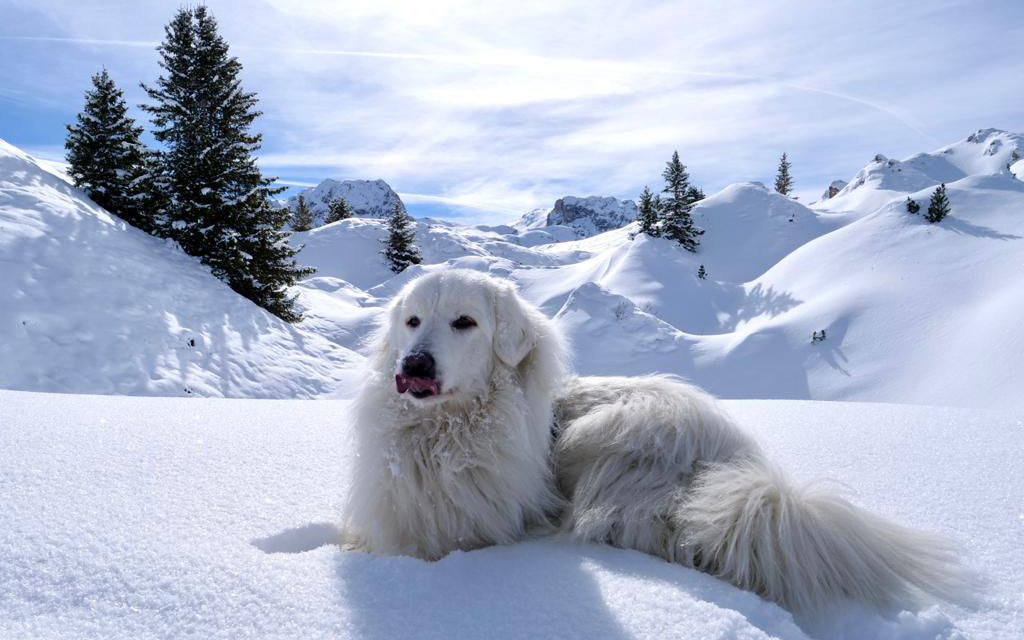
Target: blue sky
column 484, row 110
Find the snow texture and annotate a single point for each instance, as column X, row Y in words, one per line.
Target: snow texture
column 92, row 305
column 163, row 517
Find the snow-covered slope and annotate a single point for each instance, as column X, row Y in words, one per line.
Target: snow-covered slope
column 176, row 518
column 89, row 304
column 748, row 228
column 987, row 151
column 368, row 198
column 903, row 303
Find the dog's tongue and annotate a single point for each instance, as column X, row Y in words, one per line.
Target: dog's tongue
column 406, row 383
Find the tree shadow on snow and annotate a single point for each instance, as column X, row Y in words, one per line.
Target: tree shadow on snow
column 829, row 349
column 761, row 300
column 979, row 231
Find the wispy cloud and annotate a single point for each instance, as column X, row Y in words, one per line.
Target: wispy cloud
column 502, row 109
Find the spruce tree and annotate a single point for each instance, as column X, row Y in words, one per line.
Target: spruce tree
column 105, row 156
column 337, row 209
column 694, row 195
column 676, row 221
column 647, row 214
column 702, row 272
column 400, row 247
column 912, row 207
column 302, row 220
column 783, row 181
column 939, row 207
column 217, row 202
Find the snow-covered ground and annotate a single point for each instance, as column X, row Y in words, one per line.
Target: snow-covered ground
column 175, row 517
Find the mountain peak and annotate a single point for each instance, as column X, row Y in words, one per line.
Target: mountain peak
column 368, row 198
column 586, row 216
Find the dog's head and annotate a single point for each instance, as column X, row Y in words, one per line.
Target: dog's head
column 446, row 332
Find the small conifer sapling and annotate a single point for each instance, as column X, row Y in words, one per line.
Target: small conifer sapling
column 337, row 209
column 400, row 247
column 784, row 181
column 302, row 219
column 647, row 214
column 939, row 206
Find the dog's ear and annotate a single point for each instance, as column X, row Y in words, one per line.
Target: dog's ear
column 514, row 332
column 383, row 354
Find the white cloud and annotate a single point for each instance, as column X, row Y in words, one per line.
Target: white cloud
column 505, row 107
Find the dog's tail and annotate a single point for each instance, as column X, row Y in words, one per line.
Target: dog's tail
column 805, row 548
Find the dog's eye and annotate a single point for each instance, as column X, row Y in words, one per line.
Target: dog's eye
column 463, row 322
column 412, row 322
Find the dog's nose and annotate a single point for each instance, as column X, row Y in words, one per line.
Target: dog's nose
column 418, row 365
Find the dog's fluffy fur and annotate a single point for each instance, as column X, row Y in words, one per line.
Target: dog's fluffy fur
column 513, row 444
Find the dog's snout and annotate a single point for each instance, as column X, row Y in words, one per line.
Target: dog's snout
column 419, row 365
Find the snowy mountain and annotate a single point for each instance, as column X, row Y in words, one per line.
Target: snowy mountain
column 585, row 216
column 368, row 198
column 902, row 302
column 987, row 151
column 91, row 305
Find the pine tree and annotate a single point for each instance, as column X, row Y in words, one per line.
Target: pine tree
column 337, row 209
column 647, row 214
column 702, row 273
column 676, row 221
column 302, row 220
column 217, row 203
column 106, row 158
column 694, row 195
column 939, row 207
column 400, row 247
column 912, row 207
column 783, row 181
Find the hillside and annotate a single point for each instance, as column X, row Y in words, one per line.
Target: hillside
column 902, row 302
column 91, row 305
column 167, row 517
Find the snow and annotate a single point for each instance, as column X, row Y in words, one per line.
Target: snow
column 163, row 517
column 904, row 303
column 91, row 305
column 185, row 517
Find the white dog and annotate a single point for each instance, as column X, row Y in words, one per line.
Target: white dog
column 470, row 433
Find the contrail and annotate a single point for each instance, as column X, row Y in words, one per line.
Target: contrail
column 520, row 60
